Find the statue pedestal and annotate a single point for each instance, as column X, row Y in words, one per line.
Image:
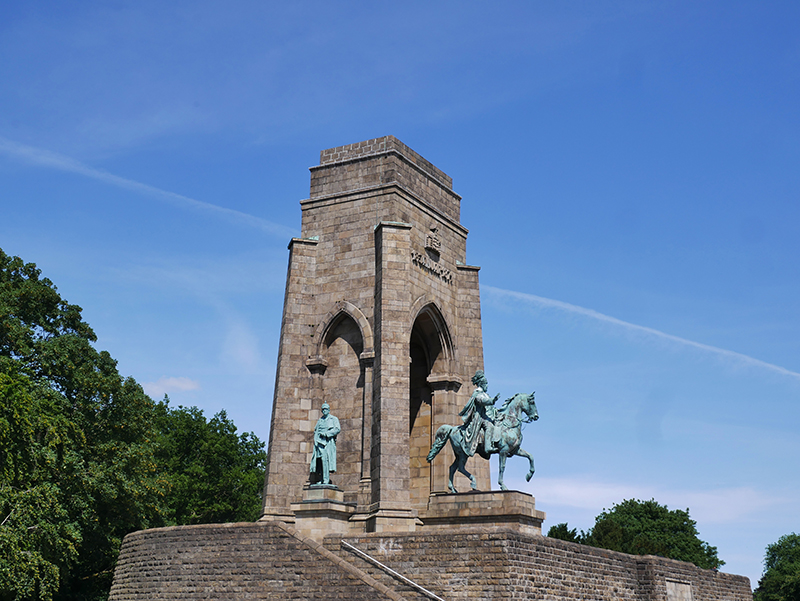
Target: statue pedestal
column 506, row 509
column 385, row 519
column 322, row 511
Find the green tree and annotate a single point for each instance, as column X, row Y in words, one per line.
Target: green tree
column 647, row 528
column 87, row 457
column 215, row 475
column 78, row 440
column 781, row 579
column 562, row 532
column 38, row 536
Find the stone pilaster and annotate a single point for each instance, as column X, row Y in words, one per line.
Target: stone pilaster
column 365, row 484
column 389, row 466
column 287, row 459
column 445, row 406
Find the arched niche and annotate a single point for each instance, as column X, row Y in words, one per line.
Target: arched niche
column 338, row 369
column 430, row 357
column 340, row 309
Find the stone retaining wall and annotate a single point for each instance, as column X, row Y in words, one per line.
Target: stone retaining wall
column 502, row 564
column 268, row 561
column 234, row 561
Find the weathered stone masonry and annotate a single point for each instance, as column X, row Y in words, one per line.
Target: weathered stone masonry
column 266, row 561
column 234, row 561
column 492, row 563
column 382, row 321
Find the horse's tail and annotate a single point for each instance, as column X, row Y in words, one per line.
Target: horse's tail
column 442, row 436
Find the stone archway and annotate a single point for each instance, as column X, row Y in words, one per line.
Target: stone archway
column 430, row 354
column 343, row 389
column 346, row 385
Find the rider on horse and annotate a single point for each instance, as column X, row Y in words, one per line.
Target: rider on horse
column 503, row 437
column 479, row 414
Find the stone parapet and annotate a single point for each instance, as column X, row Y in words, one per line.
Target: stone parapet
column 235, row 561
column 378, row 146
column 380, row 162
column 496, row 563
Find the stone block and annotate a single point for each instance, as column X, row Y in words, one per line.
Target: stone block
column 509, row 509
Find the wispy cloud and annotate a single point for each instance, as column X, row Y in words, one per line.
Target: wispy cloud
column 549, row 303
column 209, row 278
column 165, row 385
column 52, row 160
column 712, row 506
column 240, row 349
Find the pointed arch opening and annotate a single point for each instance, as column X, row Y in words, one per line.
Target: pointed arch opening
column 430, row 354
column 342, row 389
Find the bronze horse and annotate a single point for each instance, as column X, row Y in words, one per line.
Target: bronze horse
column 517, row 410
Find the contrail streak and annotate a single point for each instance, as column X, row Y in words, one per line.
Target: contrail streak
column 550, row 303
column 45, row 158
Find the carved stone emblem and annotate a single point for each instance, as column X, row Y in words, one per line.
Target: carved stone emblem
column 432, row 242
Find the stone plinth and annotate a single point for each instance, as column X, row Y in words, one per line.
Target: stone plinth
column 322, row 511
column 386, row 520
column 508, row 508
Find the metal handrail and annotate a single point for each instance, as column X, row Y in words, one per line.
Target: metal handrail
column 391, row 572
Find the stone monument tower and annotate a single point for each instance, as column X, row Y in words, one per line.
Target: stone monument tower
column 382, row 321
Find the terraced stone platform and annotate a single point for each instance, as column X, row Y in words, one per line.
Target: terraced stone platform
column 269, row 560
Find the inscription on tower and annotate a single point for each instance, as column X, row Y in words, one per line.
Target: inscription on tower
column 432, row 267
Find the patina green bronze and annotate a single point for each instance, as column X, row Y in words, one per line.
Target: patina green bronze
column 479, row 415
column 323, row 459
column 500, row 430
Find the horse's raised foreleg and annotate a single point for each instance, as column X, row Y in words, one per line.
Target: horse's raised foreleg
column 524, row 453
column 502, row 457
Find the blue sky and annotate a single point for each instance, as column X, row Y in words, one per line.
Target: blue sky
column 629, row 174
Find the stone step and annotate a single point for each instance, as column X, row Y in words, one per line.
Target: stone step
column 339, row 547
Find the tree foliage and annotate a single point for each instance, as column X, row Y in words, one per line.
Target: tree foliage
column 78, row 469
column 215, row 474
column 87, row 457
column 562, row 532
column 781, row 579
column 645, row 528
column 37, row 533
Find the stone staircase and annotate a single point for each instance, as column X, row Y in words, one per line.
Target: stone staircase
column 392, row 578
column 238, row 561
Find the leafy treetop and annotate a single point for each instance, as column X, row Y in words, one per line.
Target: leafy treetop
column 645, row 528
column 88, row 457
column 781, row 579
